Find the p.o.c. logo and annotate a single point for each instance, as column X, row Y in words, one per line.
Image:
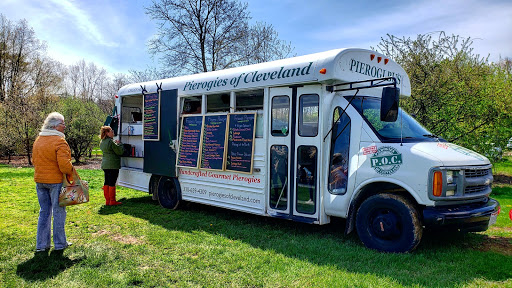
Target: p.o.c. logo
column 386, row 161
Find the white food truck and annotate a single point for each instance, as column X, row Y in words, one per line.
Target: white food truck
column 306, row 139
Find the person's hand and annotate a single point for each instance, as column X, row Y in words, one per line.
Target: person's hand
column 117, row 141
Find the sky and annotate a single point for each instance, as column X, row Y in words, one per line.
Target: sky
column 113, row 34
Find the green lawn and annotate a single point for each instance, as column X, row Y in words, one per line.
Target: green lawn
column 504, row 167
column 141, row 244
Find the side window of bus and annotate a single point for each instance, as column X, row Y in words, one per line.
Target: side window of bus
column 192, row 105
column 280, row 115
column 251, row 100
column 217, row 103
column 308, row 115
column 339, row 155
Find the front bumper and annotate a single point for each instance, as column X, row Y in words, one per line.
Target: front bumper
column 472, row 217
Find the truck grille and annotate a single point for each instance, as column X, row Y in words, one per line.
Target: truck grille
column 477, row 181
column 475, row 189
column 474, row 173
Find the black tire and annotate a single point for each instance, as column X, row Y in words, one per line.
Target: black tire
column 169, row 193
column 389, row 223
column 153, row 186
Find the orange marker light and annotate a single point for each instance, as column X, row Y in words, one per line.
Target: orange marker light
column 372, row 56
column 379, row 59
column 437, row 187
column 116, row 96
column 323, row 71
column 386, row 61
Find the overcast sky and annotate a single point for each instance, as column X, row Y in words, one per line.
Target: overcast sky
column 113, row 33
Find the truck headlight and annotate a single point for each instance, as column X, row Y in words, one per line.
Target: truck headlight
column 451, row 181
column 450, row 176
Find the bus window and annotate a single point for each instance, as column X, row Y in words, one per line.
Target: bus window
column 217, row 103
column 340, row 143
column 251, row 100
column 280, row 115
column 279, row 177
column 306, row 180
column 192, row 105
column 308, row 115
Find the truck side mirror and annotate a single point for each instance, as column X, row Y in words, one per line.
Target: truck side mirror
column 389, row 104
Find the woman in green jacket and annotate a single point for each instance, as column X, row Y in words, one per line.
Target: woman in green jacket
column 110, row 163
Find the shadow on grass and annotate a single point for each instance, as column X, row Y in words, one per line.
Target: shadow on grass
column 442, row 259
column 43, row 266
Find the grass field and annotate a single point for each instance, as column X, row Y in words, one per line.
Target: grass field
column 141, row 244
column 505, row 166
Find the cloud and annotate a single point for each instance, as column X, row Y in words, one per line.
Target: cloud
column 83, row 22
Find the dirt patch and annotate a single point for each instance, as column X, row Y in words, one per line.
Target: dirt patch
column 125, row 239
column 497, row 244
column 22, row 161
column 502, row 179
column 101, row 232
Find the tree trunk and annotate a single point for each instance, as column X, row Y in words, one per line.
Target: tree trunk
column 27, row 145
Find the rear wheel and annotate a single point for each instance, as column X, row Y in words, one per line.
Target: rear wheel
column 389, row 223
column 153, row 186
column 169, row 193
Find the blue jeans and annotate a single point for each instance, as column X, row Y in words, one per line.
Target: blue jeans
column 48, row 195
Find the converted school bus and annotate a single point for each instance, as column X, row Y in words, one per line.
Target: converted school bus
column 307, row 139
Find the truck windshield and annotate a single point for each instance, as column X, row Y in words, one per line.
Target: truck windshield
column 405, row 127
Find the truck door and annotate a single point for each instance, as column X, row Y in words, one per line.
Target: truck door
column 293, row 152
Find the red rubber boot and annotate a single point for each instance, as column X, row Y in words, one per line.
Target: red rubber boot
column 112, row 195
column 106, row 195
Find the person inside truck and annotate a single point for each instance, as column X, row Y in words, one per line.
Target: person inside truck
column 279, row 156
column 192, row 107
column 338, row 174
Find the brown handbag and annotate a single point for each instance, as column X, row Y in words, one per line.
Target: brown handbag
column 73, row 193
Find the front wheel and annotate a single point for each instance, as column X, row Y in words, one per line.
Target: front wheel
column 388, row 223
column 169, row 193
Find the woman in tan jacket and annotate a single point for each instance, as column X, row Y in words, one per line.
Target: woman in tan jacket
column 51, row 156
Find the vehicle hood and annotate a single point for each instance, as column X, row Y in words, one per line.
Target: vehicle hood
column 450, row 154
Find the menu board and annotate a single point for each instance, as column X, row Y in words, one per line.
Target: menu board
column 151, row 127
column 214, row 139
column 190, row 141
column 240, row 144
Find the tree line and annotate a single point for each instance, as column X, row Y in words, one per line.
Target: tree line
column 32, row 85
column 457, row 94
column 194, row 36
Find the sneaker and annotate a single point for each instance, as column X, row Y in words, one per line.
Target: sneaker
column 67, row 245
column 43, row 250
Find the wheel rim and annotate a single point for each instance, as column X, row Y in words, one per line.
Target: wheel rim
column 385, row 224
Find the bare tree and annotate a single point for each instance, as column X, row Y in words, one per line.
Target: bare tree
column 147, row 75
column 18, row 46
column 87, row 81
column 28, row 84
column 206, row 35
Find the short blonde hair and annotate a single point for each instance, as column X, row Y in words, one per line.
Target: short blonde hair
column 104, row 130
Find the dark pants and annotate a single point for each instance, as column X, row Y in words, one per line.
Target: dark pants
column 111, row 177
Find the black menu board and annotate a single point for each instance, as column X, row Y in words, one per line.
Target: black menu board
column 214, row 139
column 240, row 145
column 190, row 141
column 151, row 127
